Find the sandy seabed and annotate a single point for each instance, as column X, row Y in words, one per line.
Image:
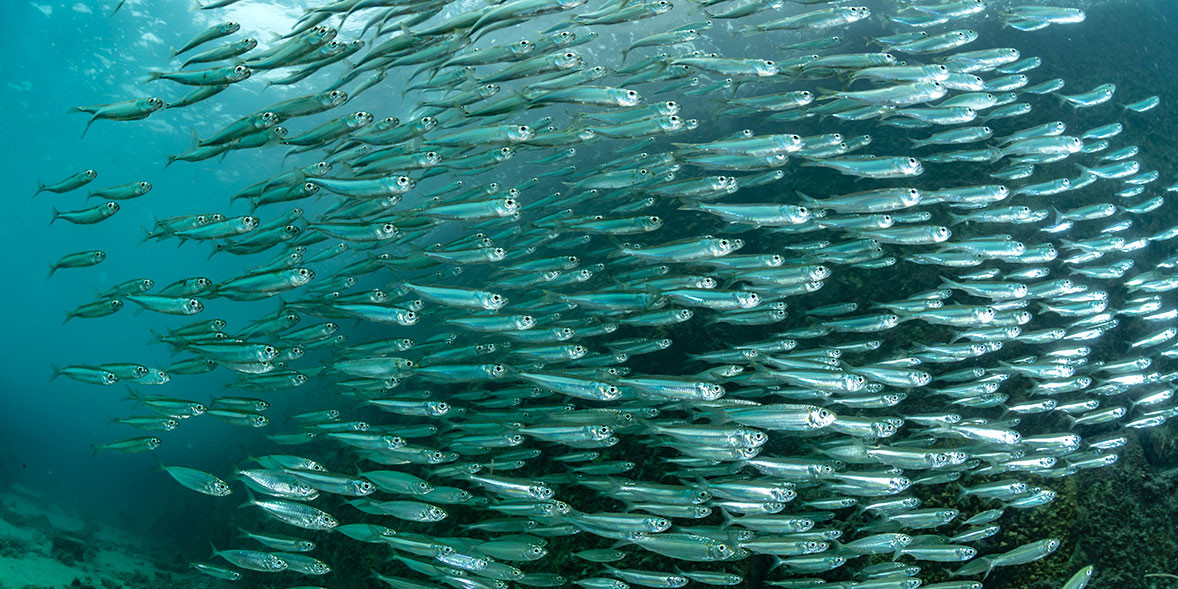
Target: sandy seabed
column 43, row 545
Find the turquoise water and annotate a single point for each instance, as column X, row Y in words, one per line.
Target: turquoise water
column 62, row 55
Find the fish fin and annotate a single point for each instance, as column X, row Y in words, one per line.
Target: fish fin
column 56, row 214
column 1059, row 216
column 56, row 370
column 250, row 499
column 825, row 94
column 132, row 396
column 989, row 567
column 52, row 271
column 88, row 123
column 40, row 188
column 961, row 492
column 159, row 464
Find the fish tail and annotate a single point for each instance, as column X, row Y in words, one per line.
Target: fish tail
column 154, row 75
column 132, row 396
column 557, row 27
column 825, row 93
column 961, row 492
column 146, row 235
column 56, row 214
column 40, row 188
column 56, row 370
column 88, row 123
column 1059, row 216
column 989, row 566
column 68, row 316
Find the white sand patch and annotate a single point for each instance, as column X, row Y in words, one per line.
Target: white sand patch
column 37, row 571
column 43, row 545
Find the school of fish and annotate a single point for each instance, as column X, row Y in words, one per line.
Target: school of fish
column 628, row 348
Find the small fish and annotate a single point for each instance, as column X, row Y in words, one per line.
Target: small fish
column 77, row 260
column 199, row 481
column 129, row 446
column 126, row 110
column 214, row 32
column 88, row 216
column 73, row 182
